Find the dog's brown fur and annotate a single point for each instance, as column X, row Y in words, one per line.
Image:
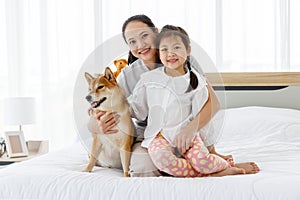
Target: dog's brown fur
column 110, row 150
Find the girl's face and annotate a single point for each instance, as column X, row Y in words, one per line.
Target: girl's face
column 141, row 41
column 173, row 54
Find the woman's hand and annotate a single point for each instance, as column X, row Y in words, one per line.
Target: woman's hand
column 184, row 141
column 103, row 124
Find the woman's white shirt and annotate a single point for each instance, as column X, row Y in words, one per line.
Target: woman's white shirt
column 130, row 75
column 128, row 79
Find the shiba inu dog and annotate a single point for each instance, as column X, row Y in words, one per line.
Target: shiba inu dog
column 110, row 150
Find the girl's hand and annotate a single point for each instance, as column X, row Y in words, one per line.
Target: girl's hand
column 184, row 141
column 103, row 124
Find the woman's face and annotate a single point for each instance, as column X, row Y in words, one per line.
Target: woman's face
column 173, row 54
column 141, row 41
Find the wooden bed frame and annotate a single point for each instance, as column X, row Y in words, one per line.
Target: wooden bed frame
column 255, row 79
column 275, row 89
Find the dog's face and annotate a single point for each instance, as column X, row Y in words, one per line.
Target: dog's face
column 101, row 88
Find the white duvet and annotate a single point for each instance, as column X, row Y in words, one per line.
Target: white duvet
column 268, row 136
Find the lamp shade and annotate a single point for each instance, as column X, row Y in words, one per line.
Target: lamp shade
column 19, row 110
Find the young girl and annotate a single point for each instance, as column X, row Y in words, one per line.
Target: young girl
column 140, row 34
column 171, row 96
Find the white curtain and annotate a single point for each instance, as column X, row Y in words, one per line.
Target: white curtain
column 45, row 42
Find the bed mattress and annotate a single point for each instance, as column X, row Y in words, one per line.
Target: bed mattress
column 268, row 136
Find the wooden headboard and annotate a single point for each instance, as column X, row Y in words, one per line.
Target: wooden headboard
column 254, row 79
column 274, row 89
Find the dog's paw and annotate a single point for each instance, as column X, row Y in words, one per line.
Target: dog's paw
column 87, row 169
column 126, row 174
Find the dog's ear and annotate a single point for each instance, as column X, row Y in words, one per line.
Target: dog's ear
column 109, row 74
column 88, row 77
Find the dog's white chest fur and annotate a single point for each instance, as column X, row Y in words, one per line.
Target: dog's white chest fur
column 111, row 144
column 110, row 153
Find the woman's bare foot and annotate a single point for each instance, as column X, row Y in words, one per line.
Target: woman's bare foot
column 249, row 167
column 229, row 171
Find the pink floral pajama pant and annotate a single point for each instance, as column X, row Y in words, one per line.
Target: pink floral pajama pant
column 197, row 161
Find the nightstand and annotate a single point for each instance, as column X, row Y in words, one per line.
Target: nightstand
column 35, row 148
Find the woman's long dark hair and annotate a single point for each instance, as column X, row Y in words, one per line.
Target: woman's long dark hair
column 140, row 18
column 169, row 30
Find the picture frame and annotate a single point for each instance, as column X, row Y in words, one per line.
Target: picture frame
column 15, row 144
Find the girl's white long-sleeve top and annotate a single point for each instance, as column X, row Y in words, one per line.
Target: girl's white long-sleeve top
column 169, row 102
column 128, row 79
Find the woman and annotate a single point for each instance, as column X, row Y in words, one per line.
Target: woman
column 140, row 34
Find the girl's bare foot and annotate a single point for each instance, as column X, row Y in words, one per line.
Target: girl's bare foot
column 229, row 171
column 249, row 167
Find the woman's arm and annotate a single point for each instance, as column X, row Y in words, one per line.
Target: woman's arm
column 211, row 107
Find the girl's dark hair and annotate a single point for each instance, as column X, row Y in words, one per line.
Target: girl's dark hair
column 140, row 18
column 170, row 30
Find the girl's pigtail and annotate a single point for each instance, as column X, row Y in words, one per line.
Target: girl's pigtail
column 193, row 77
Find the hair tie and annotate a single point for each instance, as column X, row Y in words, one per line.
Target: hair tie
column 190, row 70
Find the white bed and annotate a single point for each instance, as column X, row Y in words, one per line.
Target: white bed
column 268, row 136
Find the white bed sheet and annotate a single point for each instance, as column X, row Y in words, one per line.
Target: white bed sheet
column 268, row 136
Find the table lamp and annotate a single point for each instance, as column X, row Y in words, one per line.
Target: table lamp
column 19, row 111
